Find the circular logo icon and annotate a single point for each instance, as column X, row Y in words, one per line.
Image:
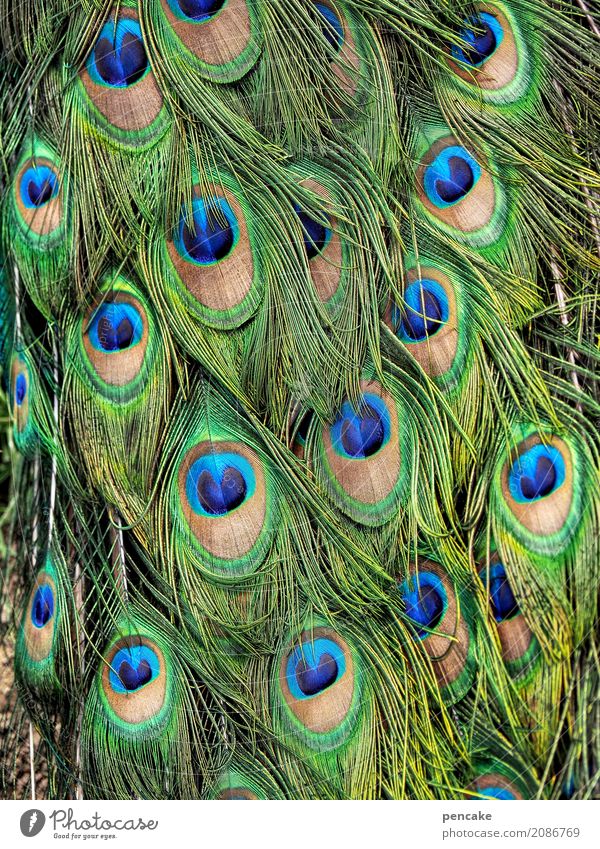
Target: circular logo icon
column 32, row 822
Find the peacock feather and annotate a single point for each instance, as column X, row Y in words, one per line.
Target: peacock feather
column 298, row 337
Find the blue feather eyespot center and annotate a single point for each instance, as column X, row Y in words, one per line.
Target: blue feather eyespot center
column 315, row 679
column 331, row 27
column 118, row 58
column 315, row 234
column 20, row 389
column 451, row 176
column 42, row 608
column 132, row 668
column 502, row 599
column 196, row 11
column 314, row 666
column 39, row 185
column 219, row 483
column 500, row 793
column 482, row 35
column 209, row 234
column 425, row 601
column 536, row 473
column 359, row 435
column 424, row 311
column 116, row 327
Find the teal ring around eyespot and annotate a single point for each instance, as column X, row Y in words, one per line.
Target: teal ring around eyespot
column 203, row 19
column 199, row 211
column 38, row 174
column 439, row 169
column 526, row 464
column 312, row 651
column 412, row 301
column 494, row 25
column 115, row 312
column 348, row 413
column 133, row 655
column 216, row 463
column 500, row 793
column 409, row 590
column 116, row 33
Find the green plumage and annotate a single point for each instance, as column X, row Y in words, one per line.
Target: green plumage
column 298, row 335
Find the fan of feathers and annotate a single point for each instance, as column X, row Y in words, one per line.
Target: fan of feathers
column 298, row 338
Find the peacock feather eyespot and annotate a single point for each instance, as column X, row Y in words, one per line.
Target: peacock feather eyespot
column 42, row 608
column 115, row 327
column 224, row 505
column 481, row 35
column 38, row 197
column 133, row 667
column 318, row 688
column 536, row 473
column 220, row 40
column 440, row 620
column 341, row 31
column 118, row 58
column 301, row 431
column 332, row 27
column 503, row 602
column 425, row 601
column 492, row 57
column 219, row 483
column 213, row 256
column 361, row 434
column 117, row 88
column 450, row 177
column 539, row 488
column 325, row 248
column 135, row 681
column 242, row 784
column 316, row 234
column 40, row 619
column 423, row 313
column 459, row 193
column 21, row 401
column 39, row 184
column 209, row 234
column 494, row 784
column 430, row 322
column 313, row 667
column 116, row 334
column 520, row 649
column 196, row 11
column 359, row 458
